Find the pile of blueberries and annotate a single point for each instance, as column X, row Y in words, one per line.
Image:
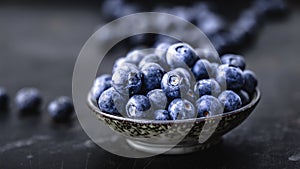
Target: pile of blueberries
column 231, row 31
column 174, row 82
column 29, row 101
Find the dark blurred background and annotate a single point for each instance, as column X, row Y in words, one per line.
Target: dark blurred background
column 39, row 43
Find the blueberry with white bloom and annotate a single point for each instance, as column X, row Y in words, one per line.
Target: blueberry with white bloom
column 158, row 99
column 138, row 107
column 152, row 76
column 231, row 77
column 230, row 100
column 127, row 80
column 208, row 106
column 111, row 102
column 175, row 83
column 180, row 109
column 181, row 55
column 101, row 84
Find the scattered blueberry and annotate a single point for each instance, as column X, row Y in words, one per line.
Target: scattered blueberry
column 152, row 76
column 207, row 87
column 181, row 55
column 230, row 100
column 234, row 60
column 202, row 69
column 230, row 77
column 28, row 100
column 161, row 115
column 4, row 99
column 158, row 99
column 61, row 109
column 101, row 84
column 250, row 81
column 174, row 84
column 127, row 80
column 210, row 23
column 111, row 102
column 208, row 106
column 138, row 107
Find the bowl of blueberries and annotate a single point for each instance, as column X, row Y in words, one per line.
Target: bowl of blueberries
column 174, row 99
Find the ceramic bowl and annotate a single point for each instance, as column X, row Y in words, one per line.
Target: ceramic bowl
column 179, row 136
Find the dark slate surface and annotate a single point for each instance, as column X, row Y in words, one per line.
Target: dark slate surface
column 39, row 46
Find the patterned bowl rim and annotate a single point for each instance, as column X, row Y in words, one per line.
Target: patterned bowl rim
column 93, row 106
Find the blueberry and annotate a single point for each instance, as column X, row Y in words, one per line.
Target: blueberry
column 181, row 109
column 244, row 28
column 158, row 99
column 61, row 109
column 161, row 50
column 244, row 97
column 230, row 100
column 174, row 84
column 186, row 73
column 119, row 62
column 208, row 54
column 152, row 58
column 127, row 80
column 207, row 87
column 234, row 60
column 101, row 84
column 138, row 107
column 231, row 77
column 210, row 23
column 152, row 76
column 267, row 7
column 250, row 81
column 161, row 115
column 4, row 98
column 181, row 55
column 202, row 69
column 28, row 100
column 112, row 102
column 135, row 56
column 208, row 106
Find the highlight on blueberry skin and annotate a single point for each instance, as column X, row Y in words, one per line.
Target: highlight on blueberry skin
column 158, row 99
column 174, row 83
column 161, row 51
column 100, row 84
column 234, row 60
column 138, row 107
column 28, row 100
column 4, row 99
column 135, row 56
column 208, row 106
column 181, row 55
column 180, row 109
column 111, row 102
column 230, row 100
column 207, row 87
column 61, row 109
column 230, row 77
column 127, row 80
column 152, row 76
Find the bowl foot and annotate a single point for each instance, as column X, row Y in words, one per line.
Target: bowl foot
column 165, row 149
